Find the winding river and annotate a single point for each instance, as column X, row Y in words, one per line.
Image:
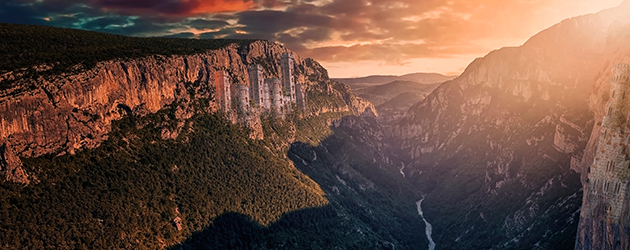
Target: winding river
column 428, row 228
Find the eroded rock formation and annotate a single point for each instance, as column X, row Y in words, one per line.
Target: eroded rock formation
column 74, row 111
column 516, row 125
column 11, row 166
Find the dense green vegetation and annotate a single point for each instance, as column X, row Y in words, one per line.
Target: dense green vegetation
column 25, row 46
column 371, row 204
column 351, row 164
column 126, row 193
column 230, row 192
column 309, row 130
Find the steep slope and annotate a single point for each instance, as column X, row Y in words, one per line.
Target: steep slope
column 595, row 231
column 66, row 112
column 140, row 191
column 131, row 153
column 380, row 94
column 42, row 50
column 395, row 109
column 371, row 204
column 359, row 173
column 392, row 100
column 494, row 148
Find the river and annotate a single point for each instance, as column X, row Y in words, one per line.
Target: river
column 428, row 229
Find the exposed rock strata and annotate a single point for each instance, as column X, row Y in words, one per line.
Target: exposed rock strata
column 71, row 112
column 11, row 166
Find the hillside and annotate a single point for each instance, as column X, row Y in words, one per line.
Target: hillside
column 395, row 109
column 368, row 200
column 380, row 94
column 131, row 152
column 502, row 146
column 394, row 95
column 110, row 151
column 366, row 81
column 393, row 99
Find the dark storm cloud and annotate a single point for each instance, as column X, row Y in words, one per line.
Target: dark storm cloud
column 15, row 12
column 67, row 14
column 269, row 21
column 315, row 34
column 202, row 24
column 368, row 30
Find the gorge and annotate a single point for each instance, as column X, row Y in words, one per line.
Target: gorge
column 132, row 151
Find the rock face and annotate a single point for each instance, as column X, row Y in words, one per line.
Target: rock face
column 605, row 213
column 177, row 223
column 11, row 166
column 74, row 111
column 507, row 136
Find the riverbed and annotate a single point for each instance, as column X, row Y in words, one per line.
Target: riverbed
column 428, row 228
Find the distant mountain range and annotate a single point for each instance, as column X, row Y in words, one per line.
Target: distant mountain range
column 424, row 78
column 502, row 146
column 394, row 95
column 128, row 150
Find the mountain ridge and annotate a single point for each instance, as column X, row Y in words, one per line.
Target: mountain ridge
column 507, row 137
column 419, row 77
column 498, row 148
column 132, row 153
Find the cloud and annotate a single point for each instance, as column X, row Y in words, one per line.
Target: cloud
column 170, row 7
column 349, row 30
column 391, row 31
column 12, row 13
column 271, row 22
column 202, row 24
column 217, row 34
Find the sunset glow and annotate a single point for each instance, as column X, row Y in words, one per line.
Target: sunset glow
column 349, row 37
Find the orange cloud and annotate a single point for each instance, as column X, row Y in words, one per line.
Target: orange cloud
column 385, row 32
column 174, row 8
column 215, row 6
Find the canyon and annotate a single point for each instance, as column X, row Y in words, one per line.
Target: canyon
column 505, row 146
column 497, row 156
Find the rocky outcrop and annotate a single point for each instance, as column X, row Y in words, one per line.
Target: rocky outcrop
column 73, row 111
column 11, row 166
column 177, row 223
column 511, row 128
column 596, row 229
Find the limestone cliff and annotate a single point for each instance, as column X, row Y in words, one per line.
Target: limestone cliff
column 72, row 111
column 596, row 230
column 506, row 136
column 11, row 166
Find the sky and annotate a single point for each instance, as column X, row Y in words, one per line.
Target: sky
column 350, row 38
